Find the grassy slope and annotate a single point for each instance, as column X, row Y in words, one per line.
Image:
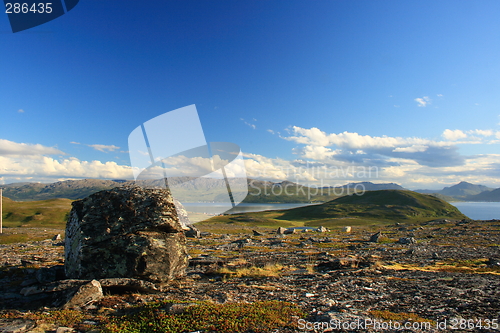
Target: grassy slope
column 44, row 214
column 374, row 207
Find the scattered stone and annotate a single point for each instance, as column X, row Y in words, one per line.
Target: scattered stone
column 63, row 329
column 407, row 240
column 177, row 308
column 493, row 262
column 290, row 231
column 281, row 231
column 340, row 263
column 322, row 229
column 375, row 238
column 346, row 229
column 192, row 232
column 125, row 232
column 256, row 233
column 50, row 274
column 17, row 325
column 88, row 293
column 56, row 237
column 127, row 284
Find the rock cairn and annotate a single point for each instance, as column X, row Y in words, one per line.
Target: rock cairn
column 125, row 232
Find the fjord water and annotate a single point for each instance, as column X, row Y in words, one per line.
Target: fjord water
column 210, row 208
column 479, row 210
column 474, row 210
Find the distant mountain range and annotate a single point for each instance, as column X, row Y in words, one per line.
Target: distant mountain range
column 259, row 191
column 465, row 191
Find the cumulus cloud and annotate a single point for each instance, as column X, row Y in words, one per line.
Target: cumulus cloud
column 453, row 135
column 373, row 150
column 45, row 167
column 352, row 140
column 422, row 102
column 104, row 148
column 477, row 136
column 10, row 148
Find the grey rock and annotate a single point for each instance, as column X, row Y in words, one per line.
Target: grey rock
column 125, row 232
column 256, row 233
column 407, row 240
column 281, row 231
column 290, row 231
column 50, row 274
column 56, row 237
column 17, row 325
column 375, row 238
column 192, row 232
column 177, row 308
column 87, row 293
column 493, row 262
column 322, row 229
column 128, row 284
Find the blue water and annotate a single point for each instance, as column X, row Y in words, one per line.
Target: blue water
column 474, row 210
column 210, row 208
column 479, row 210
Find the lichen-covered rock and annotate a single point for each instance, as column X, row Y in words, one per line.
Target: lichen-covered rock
column 125, row 232
column 87, row 293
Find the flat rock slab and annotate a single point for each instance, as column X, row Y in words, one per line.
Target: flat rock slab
column 16, row 325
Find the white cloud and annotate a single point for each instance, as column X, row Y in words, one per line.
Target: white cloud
column 439, row 95
column 352, row 140
column 249, row 124
column 270, row 131
column 44, row 167
column 104, row 148
column 411, row 149
column 477, row 136
column 481, row 132
column 422, row 102
column 10, row 148
column 75, row 143
column 453, row 135
column 20, row 111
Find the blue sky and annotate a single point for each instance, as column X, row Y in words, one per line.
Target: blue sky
column 411, row 88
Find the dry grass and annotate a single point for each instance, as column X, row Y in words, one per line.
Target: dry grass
column 477, row 266
column 270, row 270
column 399, row 316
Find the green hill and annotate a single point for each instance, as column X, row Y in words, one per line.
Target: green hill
column 394, row 205
column 373, row 207
column 51, row 213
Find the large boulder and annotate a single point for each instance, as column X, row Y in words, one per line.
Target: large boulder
column 126, row 232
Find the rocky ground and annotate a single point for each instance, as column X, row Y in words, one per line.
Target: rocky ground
column 445, row 274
